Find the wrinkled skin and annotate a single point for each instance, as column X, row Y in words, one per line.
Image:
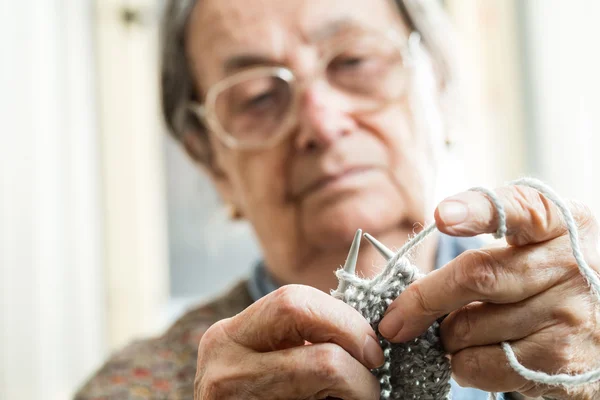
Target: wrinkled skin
column 529, row 293
column 298, row 342
column 262, row 352
column 302, row 231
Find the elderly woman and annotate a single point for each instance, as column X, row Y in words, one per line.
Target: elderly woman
column 313, row 119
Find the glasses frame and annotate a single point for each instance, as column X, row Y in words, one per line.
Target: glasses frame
column 205, row 111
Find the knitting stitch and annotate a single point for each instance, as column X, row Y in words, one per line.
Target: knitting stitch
column 419, row 369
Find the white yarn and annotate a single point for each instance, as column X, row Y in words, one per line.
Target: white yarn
column 588, row 273
column 501, row 214
column 398, row 265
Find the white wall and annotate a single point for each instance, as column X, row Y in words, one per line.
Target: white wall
column 563, row 57
column 51, row 285
column 533, row 92
column 133, row 177
column 139, row 190
column 492, row 145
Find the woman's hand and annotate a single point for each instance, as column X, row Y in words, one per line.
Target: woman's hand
column 529, row 293
column 263, row 351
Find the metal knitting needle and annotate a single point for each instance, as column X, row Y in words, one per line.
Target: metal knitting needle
column 384, row 251
column 350, row 265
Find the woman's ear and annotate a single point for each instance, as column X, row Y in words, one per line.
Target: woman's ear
column 198, row 147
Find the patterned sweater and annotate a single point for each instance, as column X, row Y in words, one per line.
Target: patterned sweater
column 163, row 368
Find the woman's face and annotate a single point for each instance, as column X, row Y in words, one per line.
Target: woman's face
column 335, row 171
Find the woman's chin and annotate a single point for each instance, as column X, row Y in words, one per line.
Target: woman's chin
column 335, row 222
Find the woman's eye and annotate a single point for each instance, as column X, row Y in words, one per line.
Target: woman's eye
column 258, row 102
column 348, row 62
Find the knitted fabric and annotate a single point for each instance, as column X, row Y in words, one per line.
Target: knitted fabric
column 419, row 369
column 414, row 370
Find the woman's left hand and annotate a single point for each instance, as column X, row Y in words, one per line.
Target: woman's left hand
column 529, row 293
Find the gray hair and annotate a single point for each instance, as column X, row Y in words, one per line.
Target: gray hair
column 424, row 16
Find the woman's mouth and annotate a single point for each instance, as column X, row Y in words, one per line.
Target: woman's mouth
column 347, row 179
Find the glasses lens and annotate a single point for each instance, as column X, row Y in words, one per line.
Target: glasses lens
column 252, row 110
column 370, row 69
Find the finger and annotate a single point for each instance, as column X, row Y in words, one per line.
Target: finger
column 294, row 314
column 530, row 216
column 481, row 324
column 496, row 275
column 317, row 371
column 486, row 368
column 311, row 371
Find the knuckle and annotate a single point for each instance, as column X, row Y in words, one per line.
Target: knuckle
column 414, row 290
column 466, row 366
column 479, row 274
column 559, row 347
column 210, row 386
column 531, row 203
column 328, row 361
column 570, row 316
column 577, row 313
column 289, row 299
column 462, row 326
column 205, row 387
column 211, row 338
column 226, row 380
column 215, row 335
column 534, row 210
column 562, row 352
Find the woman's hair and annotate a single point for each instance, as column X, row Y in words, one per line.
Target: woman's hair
column 177, row 86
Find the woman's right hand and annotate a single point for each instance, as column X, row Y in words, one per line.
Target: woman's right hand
column 295, row 343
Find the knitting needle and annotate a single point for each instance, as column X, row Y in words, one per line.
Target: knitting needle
column 388, row 254
column 384, row 251
column 350, row 265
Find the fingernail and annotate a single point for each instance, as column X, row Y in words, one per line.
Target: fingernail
column 391, row 324
column 373, row 353
column 452, row 212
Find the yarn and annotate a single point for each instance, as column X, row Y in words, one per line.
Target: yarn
column 419, row 369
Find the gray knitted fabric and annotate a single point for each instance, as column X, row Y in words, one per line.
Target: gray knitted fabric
column 414, row 370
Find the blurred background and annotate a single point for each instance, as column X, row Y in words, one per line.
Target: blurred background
column 108, row 232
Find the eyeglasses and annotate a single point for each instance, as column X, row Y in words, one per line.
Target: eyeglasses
column 256, row 108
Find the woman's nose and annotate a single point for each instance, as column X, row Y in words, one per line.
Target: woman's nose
column 321, row 117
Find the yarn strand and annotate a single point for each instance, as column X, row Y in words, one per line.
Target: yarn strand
column 399, row 273
column 408, row 246
column 588, row 273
